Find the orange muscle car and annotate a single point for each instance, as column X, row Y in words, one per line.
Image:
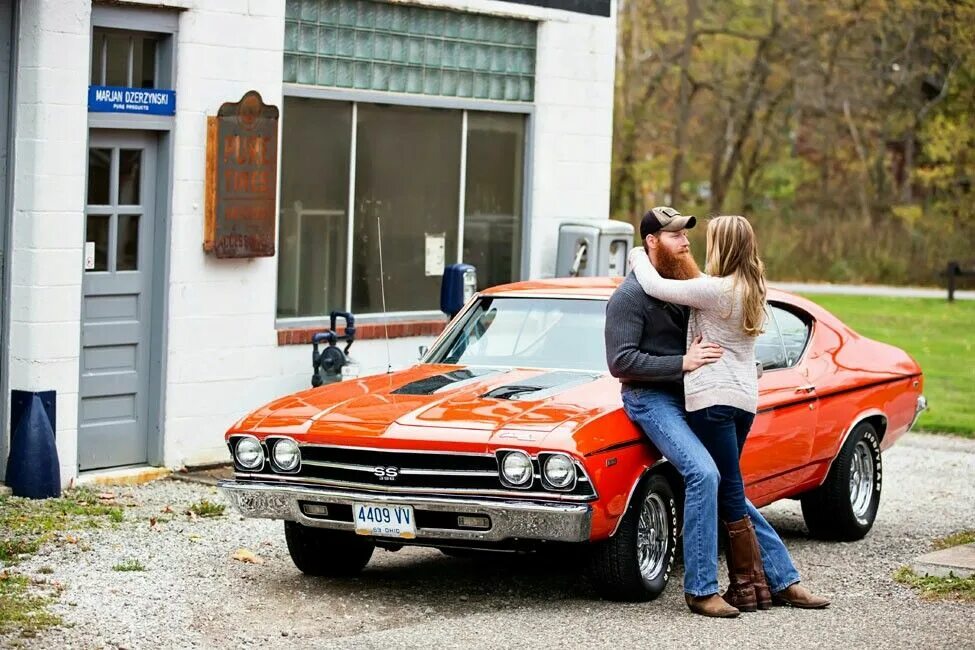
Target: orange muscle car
column 509, row 434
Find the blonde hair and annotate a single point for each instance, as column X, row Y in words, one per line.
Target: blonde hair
column 732, row 250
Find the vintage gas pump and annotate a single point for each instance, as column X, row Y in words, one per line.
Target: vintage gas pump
column 332, row 364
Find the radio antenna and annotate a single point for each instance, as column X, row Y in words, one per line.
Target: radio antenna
column 382, row 291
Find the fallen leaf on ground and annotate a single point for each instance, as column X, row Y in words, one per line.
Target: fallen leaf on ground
column 246, row 556
column 152, row 522
column 71, row 539
column 167, row 509
column 106, row 495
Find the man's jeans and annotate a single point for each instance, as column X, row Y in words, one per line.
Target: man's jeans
column 662, row 418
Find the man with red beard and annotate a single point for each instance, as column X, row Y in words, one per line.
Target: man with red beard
column 646, row 348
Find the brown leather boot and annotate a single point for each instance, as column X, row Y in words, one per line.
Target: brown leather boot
column 714, row 606
column 740, row 555
column 798, row 596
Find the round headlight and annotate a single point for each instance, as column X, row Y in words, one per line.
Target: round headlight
column 285, row 454
column 516, row 468
column 559, row 471
column 249, row 453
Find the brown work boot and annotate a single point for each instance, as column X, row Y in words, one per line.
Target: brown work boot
column 740, row 555
column 796, row 595
column 713, row 606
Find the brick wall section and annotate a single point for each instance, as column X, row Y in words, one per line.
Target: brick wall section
column 46, row 244
column 367, row 331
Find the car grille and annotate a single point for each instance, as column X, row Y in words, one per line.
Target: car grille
column 410, row 471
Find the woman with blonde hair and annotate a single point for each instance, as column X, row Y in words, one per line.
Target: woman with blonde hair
column 721, row 398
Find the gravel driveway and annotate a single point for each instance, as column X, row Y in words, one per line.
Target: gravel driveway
column 192, row 594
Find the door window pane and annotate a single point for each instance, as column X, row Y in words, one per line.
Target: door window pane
column 493, row 197
column 96, row 230
column 129, row 176
column 407, row 175
column 315, row 153
column 117, row 63
column 99, row 176
column 795, row 333
column 127, row 252
column 768, row 345
column 144, row 63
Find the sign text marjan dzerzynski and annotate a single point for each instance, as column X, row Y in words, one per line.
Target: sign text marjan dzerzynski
column 241, row 179
column 145, row 101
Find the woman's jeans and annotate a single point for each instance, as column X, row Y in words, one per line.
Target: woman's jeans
column 722, row 430
column 661, row 416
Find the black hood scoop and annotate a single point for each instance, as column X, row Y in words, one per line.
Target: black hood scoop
column 434, row 383
column 542, row 386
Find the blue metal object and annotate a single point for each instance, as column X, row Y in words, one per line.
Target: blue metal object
column 32, row 467
column 458, row 285
column 143, row 101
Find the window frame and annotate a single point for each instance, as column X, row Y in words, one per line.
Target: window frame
column 803, row 316
column 356, row 97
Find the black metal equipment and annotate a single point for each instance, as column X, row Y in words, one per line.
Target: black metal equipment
column 327, row 364
column 953, row 272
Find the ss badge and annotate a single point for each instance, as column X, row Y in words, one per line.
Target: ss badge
column 386, row 473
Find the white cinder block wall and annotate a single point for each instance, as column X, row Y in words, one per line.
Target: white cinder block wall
column 222, row 353
column 46, row 246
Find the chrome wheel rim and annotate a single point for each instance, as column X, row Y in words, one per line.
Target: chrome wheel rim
column 862, row 479
column 651, row 535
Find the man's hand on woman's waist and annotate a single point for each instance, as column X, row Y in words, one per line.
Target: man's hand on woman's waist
column 701, row 353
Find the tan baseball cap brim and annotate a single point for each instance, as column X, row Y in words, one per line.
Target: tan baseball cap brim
column 680, row 223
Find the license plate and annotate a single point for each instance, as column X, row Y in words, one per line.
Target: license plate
column 383, row 520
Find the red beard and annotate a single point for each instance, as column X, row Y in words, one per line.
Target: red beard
column 676, row 267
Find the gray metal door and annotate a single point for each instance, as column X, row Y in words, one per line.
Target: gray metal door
column 116, row 307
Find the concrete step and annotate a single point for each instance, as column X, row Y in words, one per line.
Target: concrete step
column 957, row 560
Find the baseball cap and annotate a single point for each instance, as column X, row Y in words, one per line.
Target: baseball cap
column 664, row 218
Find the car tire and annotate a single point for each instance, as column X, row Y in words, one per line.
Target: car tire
column 647, row 532
column 328, row 553
column 845, row 506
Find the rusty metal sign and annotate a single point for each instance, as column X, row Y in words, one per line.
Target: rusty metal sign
column 242, row 179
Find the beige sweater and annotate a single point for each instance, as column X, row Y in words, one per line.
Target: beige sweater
column 717, row 316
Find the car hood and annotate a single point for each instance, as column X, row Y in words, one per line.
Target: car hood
column 463, row 403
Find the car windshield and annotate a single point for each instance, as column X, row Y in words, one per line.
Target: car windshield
column 560, row 333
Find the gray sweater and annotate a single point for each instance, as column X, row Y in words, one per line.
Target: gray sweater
column 717, row 316
column 645, row 339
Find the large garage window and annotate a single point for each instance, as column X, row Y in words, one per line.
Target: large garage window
column 430, row 178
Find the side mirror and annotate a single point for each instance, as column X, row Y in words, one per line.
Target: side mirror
column 759, row 370
column 423, row 351
column 458, row 285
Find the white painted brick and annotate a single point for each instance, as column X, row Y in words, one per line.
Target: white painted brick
column 49, row 230
column 33, row 267
column 45, row 304
column 44, row 374
column 45, row 341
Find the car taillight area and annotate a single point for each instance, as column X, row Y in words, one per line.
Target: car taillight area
column 506, row 472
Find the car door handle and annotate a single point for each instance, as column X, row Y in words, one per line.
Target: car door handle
column 806, row 389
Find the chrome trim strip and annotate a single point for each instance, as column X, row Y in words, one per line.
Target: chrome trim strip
column 636, row 483
column 394, row 451
column 391, row 489
column 516, row 519
column 860, row 418
column 447, row 472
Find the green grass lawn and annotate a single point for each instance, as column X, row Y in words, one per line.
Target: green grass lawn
column 938, row 334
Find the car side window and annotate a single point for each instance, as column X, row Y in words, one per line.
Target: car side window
column 795, row 334
column 769, row 349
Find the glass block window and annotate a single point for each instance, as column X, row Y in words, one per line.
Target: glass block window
column 401, row 48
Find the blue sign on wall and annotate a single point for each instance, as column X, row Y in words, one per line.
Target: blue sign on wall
column 147, row 101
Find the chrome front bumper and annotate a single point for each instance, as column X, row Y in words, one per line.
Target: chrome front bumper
column 557, row 522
